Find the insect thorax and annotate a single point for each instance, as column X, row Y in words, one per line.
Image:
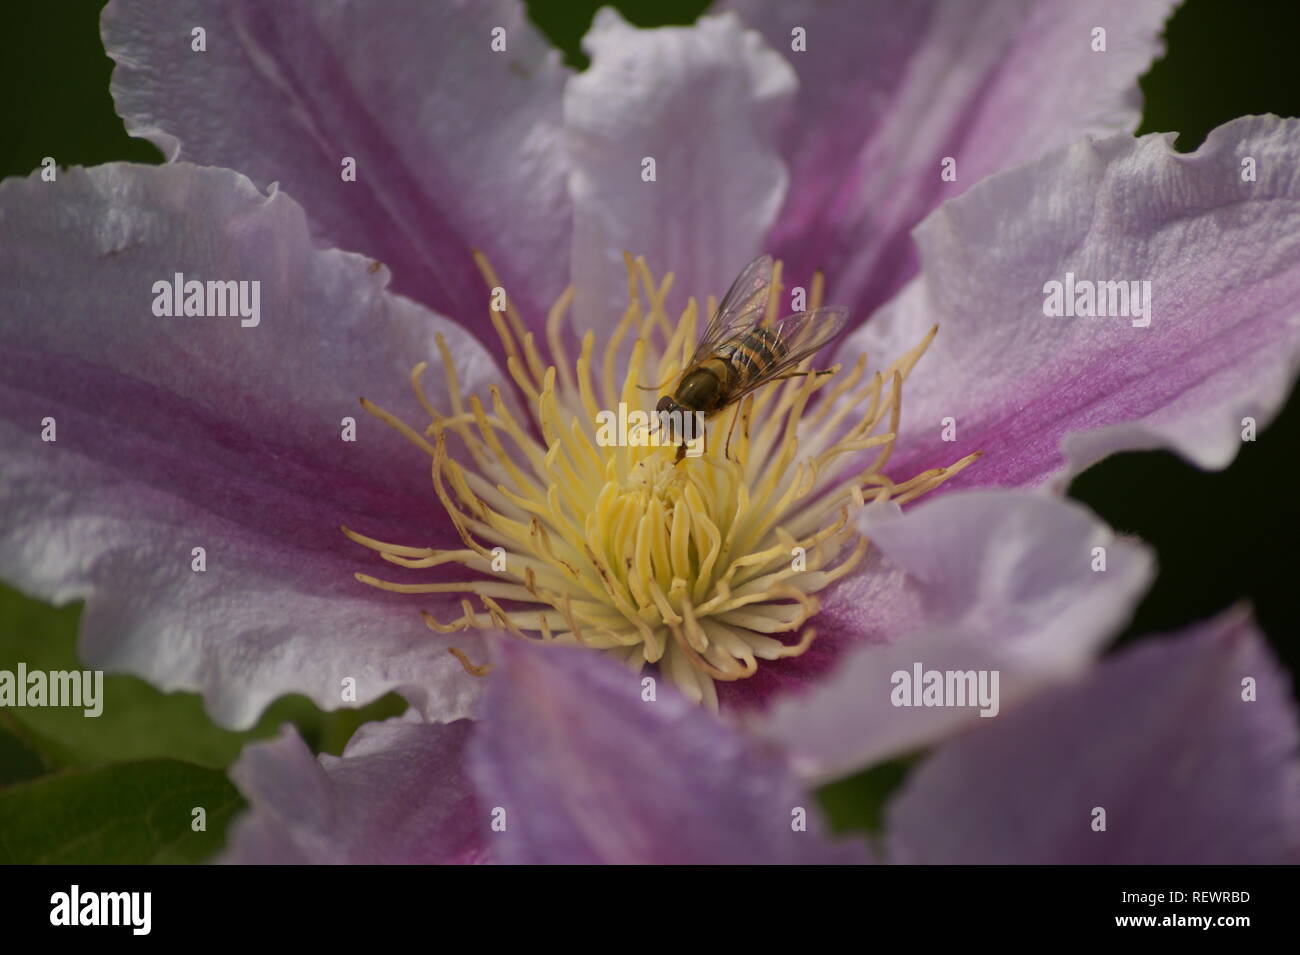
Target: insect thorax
column 702, row 389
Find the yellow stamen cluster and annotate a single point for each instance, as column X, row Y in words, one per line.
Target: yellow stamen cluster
column 700, row 566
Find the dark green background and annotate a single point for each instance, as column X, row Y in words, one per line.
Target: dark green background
column 1221, row 537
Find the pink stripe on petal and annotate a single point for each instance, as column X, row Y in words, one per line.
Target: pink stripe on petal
column 888, row 91
column 183, row 432
column 1044, row 397
column 457, row 146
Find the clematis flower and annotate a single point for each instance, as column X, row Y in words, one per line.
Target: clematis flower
column 196, row 432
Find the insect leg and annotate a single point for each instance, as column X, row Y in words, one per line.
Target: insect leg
column 726, row 451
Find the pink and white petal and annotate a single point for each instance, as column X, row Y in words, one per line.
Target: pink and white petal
column 457, row 146
column 1160, row 736
column 887, row 91
column 177, row 433
column 583, row 769
column 1045, row 397
column 398, row 795
column 703, row 102
column 995, row 580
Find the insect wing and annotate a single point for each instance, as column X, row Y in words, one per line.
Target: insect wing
column 741, row 307
column 802, row 333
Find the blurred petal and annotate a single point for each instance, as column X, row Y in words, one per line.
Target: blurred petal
column 1159, row 736
column 183, row 432
column 586, row 772
column 1046, row 396
column 702, row 102
column 994, row 580
column 887, row 90
column 397, row 796
column 456, row 146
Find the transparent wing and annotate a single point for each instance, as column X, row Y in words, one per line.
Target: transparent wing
column 803, row 333
column 741, row 307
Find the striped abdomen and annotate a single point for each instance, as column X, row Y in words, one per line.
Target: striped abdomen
column 752, row 353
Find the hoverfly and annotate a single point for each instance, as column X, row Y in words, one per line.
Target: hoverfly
column 738, row 354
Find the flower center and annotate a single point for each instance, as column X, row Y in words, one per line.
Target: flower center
column 702, row 566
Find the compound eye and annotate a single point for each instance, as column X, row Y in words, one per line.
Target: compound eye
column 665, row 403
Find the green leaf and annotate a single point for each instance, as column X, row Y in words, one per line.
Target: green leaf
column 856, row 803
column 132, row 813
column 19, row 760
